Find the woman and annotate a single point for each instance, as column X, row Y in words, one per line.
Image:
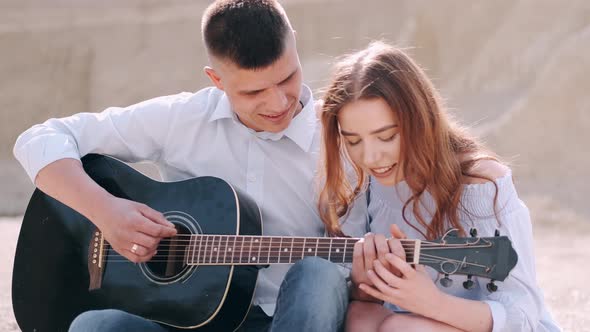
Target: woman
column 426, row 175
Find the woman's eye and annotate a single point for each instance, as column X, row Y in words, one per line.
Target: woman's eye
column 353, row 143
column 388, row 139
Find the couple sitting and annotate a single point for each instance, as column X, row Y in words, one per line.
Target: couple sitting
column 382, row 136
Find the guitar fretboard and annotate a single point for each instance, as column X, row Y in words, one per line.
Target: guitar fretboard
column 262, row 250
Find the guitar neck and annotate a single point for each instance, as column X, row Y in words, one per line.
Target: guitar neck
column 263, row 250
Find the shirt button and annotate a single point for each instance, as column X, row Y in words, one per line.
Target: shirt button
column 252, row 178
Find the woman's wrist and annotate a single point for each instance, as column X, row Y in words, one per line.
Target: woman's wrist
column 357, row 294
column 436, row 308
column 460, row 313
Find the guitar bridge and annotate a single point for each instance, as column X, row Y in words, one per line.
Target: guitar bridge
column 96, row 259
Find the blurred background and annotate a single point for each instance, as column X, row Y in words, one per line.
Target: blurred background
column 516, row 71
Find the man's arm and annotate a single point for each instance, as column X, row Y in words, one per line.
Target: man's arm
column 50, row 153
column 123, row 222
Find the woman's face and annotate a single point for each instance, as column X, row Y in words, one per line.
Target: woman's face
column 370, row 130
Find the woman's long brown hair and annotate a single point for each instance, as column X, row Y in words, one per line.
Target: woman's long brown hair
column 436, row 154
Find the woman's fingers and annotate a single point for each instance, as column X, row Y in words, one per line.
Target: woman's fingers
column 400, row 264
column 382, row 248
column 396, row 232
column 369, row 251
column 387, row 276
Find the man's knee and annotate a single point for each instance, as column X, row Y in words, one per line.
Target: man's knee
column 322, row 272
column 317, row 283
column 100, row 320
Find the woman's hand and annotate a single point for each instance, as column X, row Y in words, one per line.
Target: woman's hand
column 413, row 290
column 363, row 253
column 366, row 251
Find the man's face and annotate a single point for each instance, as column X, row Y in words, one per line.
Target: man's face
column 265, row 99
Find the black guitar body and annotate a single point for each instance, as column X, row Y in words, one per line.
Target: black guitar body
column 51, row 271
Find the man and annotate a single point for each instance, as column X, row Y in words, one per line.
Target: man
column 257, row 129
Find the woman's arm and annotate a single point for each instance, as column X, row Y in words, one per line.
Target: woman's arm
column 417, row 293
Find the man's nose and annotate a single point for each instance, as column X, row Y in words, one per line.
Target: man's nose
column 278, row 99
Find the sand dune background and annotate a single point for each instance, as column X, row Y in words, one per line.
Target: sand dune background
column 517, row 71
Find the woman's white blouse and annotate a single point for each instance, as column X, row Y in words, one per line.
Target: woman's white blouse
column 518, row 304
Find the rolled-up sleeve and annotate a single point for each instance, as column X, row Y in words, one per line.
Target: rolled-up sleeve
column 132, row 134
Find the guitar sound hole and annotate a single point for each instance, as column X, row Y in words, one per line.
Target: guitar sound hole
column 170, row 260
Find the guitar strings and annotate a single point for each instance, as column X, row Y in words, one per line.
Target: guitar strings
column 434, row 259
column 212, row 249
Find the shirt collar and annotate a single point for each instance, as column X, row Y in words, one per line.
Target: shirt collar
column 301, row 130
column 223, row 110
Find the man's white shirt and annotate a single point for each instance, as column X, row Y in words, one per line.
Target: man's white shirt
column 197, row 134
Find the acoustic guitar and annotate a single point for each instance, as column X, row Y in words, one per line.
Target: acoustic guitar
column 204, row 277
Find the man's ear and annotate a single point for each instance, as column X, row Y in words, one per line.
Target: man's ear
column 214, row 77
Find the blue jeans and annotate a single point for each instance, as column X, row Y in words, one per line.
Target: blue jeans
column 312, row 297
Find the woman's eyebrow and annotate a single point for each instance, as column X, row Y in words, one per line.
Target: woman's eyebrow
column 347, row 133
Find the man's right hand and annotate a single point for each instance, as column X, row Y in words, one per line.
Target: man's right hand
column 134, row 230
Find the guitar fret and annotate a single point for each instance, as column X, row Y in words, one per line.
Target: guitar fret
column 241, row 246
column 243, row 255
column 216, row 248
column 197, row 247
column 298, row 248
column 280, row 250
column 194, row 240
column 247, row 258
column 223, row 248
column 210, row 248
column 344, row 251
column 291, row 253
column 317, row 241
column 322, row 249
column 269, row 250
column 261, row 247
column 286, row 250
column 187, row 251
column 255, row 259
column 204, row 248
column 275, row 250
column 336, row 249
column 310, row 249
column 303, row 248
column 233, row 250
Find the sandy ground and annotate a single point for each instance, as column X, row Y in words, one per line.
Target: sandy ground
column 562, row 263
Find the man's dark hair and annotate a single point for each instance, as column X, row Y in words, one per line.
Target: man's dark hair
column 250, row 33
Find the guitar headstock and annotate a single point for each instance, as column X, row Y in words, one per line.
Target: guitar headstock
column 488, row 257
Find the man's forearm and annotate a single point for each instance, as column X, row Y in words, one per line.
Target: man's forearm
column 66, row 181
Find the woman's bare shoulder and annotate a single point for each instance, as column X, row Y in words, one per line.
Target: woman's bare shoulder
column 489, row 168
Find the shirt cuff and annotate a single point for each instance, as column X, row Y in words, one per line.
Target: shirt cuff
column 498, row 315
